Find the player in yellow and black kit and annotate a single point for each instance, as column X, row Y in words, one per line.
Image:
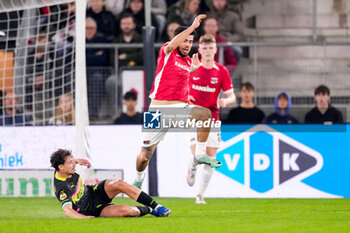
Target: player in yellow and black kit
column 88, row 201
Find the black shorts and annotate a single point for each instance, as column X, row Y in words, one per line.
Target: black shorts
column 98, row 199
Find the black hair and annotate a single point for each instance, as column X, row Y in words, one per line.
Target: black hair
column 322, row 89
column 143, row 1
column 127, row 15
column 247, row 85
column 181, row 29
column 211, row 16
column 283, row 95
column 130, row 95
column 59, row 157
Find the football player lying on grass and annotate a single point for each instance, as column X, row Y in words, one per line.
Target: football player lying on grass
column 89, row 201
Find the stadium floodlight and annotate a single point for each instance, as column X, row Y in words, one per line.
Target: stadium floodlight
column 42, row 60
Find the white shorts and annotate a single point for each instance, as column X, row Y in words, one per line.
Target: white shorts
column 153, row 136
column 214, row 139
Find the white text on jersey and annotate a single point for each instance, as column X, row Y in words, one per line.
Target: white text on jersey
column 202, row 88
column 178, row 64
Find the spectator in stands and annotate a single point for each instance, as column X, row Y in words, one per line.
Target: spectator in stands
column 115, row 6
column 230, row 24
column 65, row 19
column 12, row 115
column 211, row 27
column 39, row 53
column 95, row 58
column 136, row 8
column 105, row 20
column 129, row 35
column 323, row 113
column 60, row 45
column 61, row 21
column 183, row 12
column 247, row 112
column 233, row 4
column 54, row 49
column 169, row 3
column 281, row 115
column 170, row 31
column 65, row 114
column 130, row 117
column 36, row 80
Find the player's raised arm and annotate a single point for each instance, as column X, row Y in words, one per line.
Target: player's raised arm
column 178, row 39
column 70, row 213
column 83, row 162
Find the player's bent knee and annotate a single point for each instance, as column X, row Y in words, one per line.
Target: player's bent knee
column 117, row 185
column 206, row 113
column 203, row 114
column 145, row 158
column 120, row 184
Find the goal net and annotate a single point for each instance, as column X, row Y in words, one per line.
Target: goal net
column 37, row 62
column 42, row 65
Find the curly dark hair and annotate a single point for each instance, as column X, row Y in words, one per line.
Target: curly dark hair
column 59, row 157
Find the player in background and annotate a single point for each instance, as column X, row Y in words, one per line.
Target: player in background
column 89, row 201
column 205, row 86
column 170, row 89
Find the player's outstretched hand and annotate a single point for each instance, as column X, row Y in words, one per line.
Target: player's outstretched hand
column 83, row 162
column 197, row 21
column 195, row 60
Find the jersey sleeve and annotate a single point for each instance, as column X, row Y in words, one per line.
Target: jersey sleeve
column 63, row 195
column 161, row 51
column 226, row 80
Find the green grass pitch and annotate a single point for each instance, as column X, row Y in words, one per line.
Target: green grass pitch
column 219, row 215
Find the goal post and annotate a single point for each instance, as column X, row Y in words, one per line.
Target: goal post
column 82, row 115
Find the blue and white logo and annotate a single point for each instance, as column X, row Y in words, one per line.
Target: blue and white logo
column 152, row 120
column 10, row 160
column 262, row 159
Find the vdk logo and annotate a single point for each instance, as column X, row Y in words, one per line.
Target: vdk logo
column 152, row 120
column 263, row 158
